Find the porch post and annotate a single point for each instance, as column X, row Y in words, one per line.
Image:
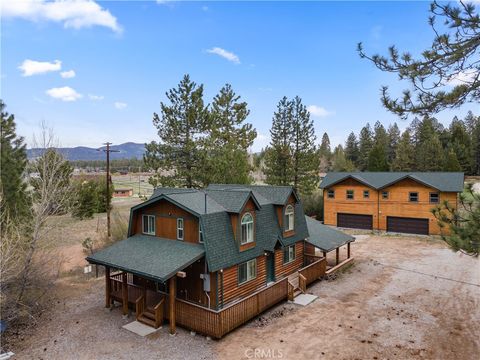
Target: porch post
column 348, row 250
column 324, row 254
column 108, row 289
column 173, row 293
column 124, row 293
column 337, row 258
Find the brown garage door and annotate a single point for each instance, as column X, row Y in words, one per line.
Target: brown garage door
column 407, row 225
column 354, row 221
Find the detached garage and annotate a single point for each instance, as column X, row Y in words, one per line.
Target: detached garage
column 356, row 221
column 407, row 225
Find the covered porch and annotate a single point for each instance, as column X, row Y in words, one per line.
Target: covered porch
column 324, row 241
column 143, row 273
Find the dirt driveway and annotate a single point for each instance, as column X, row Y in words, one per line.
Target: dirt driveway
column 404, row 298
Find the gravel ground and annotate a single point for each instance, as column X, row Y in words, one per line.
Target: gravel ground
column 404, row 298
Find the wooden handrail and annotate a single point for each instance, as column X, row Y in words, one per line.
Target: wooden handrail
column 291, row 289
column 159, row 313
column 302, row 283
column 139, row 306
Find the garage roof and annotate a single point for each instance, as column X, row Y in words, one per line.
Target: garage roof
column 442, row 181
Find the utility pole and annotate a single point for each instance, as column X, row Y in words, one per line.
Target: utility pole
column 109, row 180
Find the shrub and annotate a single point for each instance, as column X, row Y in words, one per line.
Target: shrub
column 313, row 205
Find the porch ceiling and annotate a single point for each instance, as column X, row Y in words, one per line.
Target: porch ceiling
column 324, row 237
column 149, row 256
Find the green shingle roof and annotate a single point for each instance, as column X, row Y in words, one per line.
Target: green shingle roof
column 442, row 181
column 149, row 256
column 277, row 195
column 324, row 237
column 232, row 200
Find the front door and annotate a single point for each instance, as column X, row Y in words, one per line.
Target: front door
column 270, row 268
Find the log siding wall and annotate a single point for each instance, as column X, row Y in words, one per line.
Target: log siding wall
column 397, row 204
column 282, row 269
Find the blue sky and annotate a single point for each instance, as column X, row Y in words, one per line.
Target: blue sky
column 126, row 55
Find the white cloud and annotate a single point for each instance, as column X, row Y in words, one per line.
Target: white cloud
column 463, row 77
column 68, row 74
column 230, row 56
column 75, row 14
column 318, row 111
column 120, row 105
column 95, row 97
column 32, row 67
column 65, row 93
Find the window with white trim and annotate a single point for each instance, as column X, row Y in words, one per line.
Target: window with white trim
column 289, row 254
column 434, row 198
column 148, row 224
column 289, row 218
column 413, row 197
column 246, row 229
column 200, row 234
column 179, row 229
column 247, row 271
column 331, row 194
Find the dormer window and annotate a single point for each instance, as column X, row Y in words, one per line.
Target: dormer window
column 148, row 225
column 247, row 229
column 289, row 218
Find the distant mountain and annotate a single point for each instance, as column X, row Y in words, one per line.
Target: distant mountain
column 125, row 151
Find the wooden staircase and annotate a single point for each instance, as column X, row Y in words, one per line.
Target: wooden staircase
column 296, row 285
column 151, row 316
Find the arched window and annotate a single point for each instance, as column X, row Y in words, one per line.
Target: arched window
column 247, row 229
column 289, row 218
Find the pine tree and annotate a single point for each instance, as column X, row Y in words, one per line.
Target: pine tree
column 476, row 148
column 278, row 157
column 405, row 154
column 460, row 143
column 351, row 148
column 430, row 154
column 325, row 153
column 393, row 139
column 178, row 157
column 365, row 146
column 377, row 159
column 305, row 159
column 339, row 160
column 228, row 140
column 15, row 202
column 451, row 161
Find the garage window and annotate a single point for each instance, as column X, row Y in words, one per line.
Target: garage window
column 350, row 194
column 434, row 198
column 366, row 194
column 384, row 195
column 331, row 194
column 413, row 197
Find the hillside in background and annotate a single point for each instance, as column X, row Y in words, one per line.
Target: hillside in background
column 127, row 150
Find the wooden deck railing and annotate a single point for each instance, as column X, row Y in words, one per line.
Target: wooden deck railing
column 302, row 283
column 314, row 271
column 216, row 323
column 139, row 306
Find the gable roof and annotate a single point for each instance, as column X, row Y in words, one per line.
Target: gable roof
column 324, row 237
column 442, row 181
column 232, row 200
column 277, row 195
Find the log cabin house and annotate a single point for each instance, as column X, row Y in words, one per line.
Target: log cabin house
column 210, row 260
column 389, row 201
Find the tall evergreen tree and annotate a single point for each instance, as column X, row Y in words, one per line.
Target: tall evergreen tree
column 430, row 154
column 393, row 139
column 351, row 148
column 476, row 147
column 377, row 159
column 339, row 160
column 405, row 154
column 305, row 159
column 15, row 202
column 460, row 143
column 228, row 139
column 325, row 153
column 365, row 146
column 278, row 157
column 451, row 161
column 178, row 157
